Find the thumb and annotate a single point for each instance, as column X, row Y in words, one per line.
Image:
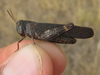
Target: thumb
column 28, row 61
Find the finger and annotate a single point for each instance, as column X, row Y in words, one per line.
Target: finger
column 57, row 56
column 30, row 60
column 9, row 50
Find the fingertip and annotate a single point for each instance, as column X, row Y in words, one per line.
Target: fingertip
column 30, row 60
column 7, row 51
column 57, row 56
column 53, row 58
column 46, row 62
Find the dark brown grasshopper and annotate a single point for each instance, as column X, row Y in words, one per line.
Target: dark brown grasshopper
column 56, row 33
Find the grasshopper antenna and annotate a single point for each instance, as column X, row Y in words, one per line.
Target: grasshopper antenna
column 11, row 15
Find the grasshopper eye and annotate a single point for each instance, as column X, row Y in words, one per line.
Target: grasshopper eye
column 19, row 23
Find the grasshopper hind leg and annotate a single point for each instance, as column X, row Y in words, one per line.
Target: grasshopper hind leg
column 63, row 40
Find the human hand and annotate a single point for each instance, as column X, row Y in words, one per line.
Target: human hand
column 44, row 58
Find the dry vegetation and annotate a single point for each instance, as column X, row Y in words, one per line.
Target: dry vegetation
column 82, row 57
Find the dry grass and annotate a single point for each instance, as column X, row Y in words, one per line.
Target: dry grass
column 82, row 57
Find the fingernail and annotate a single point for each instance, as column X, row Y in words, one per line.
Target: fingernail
column 25, row 62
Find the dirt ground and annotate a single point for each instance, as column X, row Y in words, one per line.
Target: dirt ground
column 82, row 57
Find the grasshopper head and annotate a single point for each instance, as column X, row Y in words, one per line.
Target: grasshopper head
column 20, row 27
column 19, row 24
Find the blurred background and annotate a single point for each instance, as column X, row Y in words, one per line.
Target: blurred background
column 83, row 58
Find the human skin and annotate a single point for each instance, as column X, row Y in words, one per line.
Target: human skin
column 42, row 58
